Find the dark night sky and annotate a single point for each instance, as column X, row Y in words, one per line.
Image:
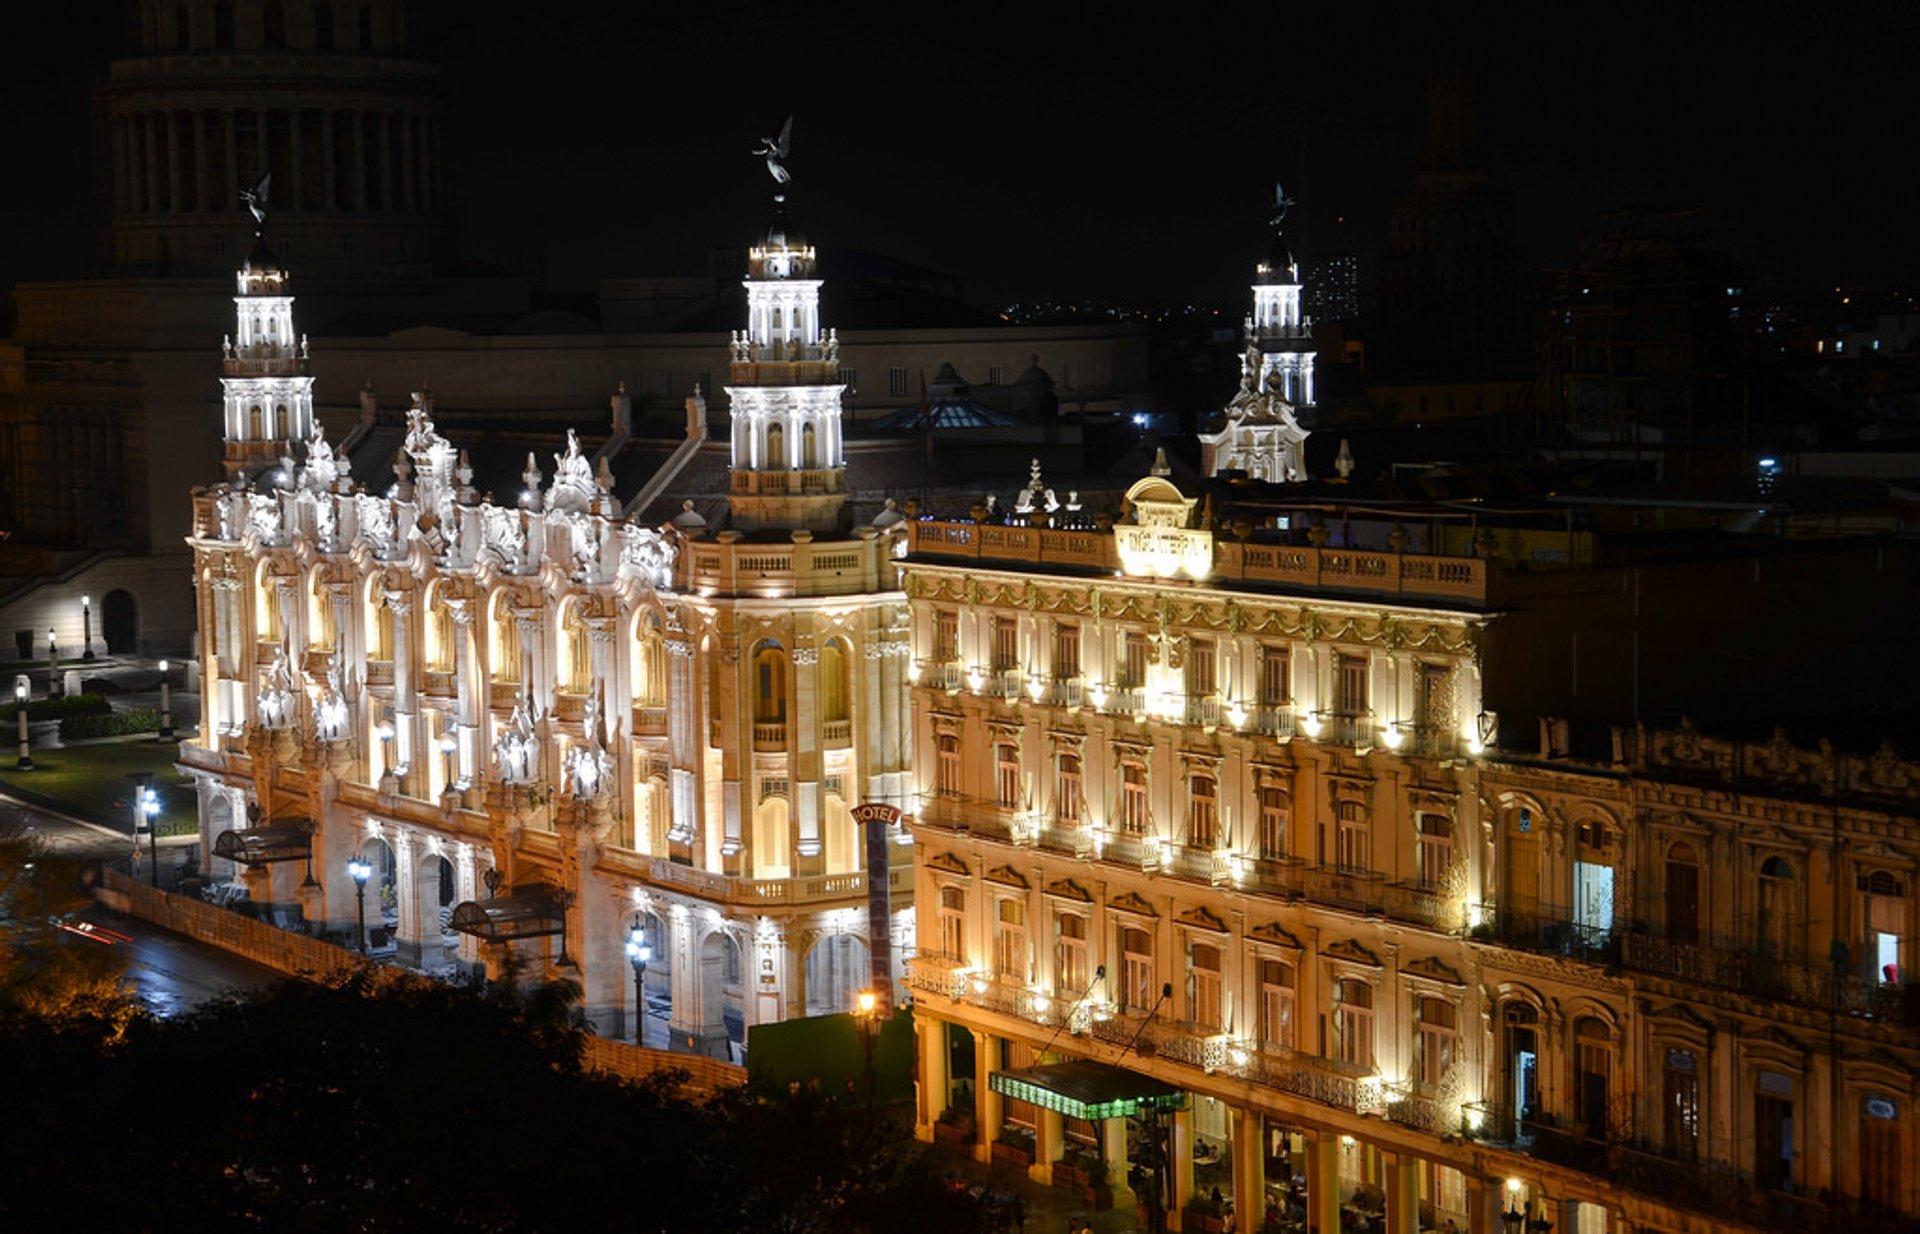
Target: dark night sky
column 1087, row 155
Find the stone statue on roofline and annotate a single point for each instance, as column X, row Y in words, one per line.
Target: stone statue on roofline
column 573, row 488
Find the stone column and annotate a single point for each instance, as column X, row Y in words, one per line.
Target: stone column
column 1323, row 1182
column 1249, row 1169
column 463, row 891
column 986, row 1060
column 684, row 987
column 803, row 744
column 1113, row 1147
column 1403, row 1194
column 409, row 938
column 606, row 978
column 1048, row 1140
column 1182, row 1163
column 404, row 713
column 470, row 703
column 930, row 1090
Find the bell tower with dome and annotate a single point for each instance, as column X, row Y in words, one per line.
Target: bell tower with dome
column 266, row 385
column 789, row 462
column 1258, row 433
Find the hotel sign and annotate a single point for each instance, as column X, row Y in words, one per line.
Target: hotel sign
column 1148, row 551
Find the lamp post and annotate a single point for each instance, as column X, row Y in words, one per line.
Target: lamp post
column 21, row 688
column 53, row 663
column 447, row 747
column 86, row 627
column 384, row 731
column 866, row 1015
column 638, row 953
column 166, row 706
column 360, row 871
column 147, row 803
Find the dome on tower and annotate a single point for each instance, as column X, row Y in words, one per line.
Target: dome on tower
column 785, row 253
column 1279, row 265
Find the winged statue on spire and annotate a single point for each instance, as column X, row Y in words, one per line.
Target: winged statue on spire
column 256, row 200
column 775, row 150
column 1281, row 204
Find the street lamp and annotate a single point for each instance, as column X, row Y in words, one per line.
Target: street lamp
column 866, row 1015
column 447, row 747
column 166, row 706
column 360, row 871
column 53, row 663
column 638, row 953
column 149, row 807
column 384, row 731
column 86, row 626
column 21, row 688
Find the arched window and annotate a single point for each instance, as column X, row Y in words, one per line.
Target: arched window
column 440, row 650
column 267, row 625
column 1203, row 986
column 809, row 446
column 1593, row 882
column 1593, row 1074
column 649, row 664
column 1353, row 1021
column 1439, row 1040
column 1203, row 811
column 1276, row 1003
column 576, row 650
column 1522, row 887
column 833, row 682
column 379, row 625
column 776, row 446
column 1683, row 893
column 322, row 633
column 770, row 684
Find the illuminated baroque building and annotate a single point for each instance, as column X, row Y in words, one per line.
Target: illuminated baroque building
column 1214, row 831
column 1257, row 433
column 620, row 725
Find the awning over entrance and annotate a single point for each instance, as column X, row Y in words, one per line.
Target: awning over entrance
column 1083, row 1088
column 288, row 841
column 526, row 914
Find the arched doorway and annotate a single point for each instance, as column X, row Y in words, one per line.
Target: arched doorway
column 837, row 970
column 656, row 1024
column 382, row 893
column 120, row 622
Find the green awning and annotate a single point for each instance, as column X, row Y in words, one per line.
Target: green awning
column 1085, row 1089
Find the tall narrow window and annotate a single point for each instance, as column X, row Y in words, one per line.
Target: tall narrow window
column 1136, row 971
column 953, row 923
column 1353, row 1021
column 1203, row 812
column 1350, row 843
column 505, row 650
column 1593, row 1073
column 1774, row 923
column 947, row 766
column 1439, row 1040
column 946, row 636
column 1203, row 677
column 1204, row 993
column 1436, row 849
column 1593, row 882
column 1350, row 694
column 1073, row 954
column 1006, row 644
column 1275, row 811
column 1773, row 1132
column 1683, row 894
column 1068, row 802
column 1133, row 660
column 1006, row 775
column 1276, row 677
column 770, row 684
column 1066, row 650
column 1680, row 1105
column 1884, row 903
column 1276, row 1003
column 833, row 682
column 1135, row 813
column 1010, row 941
column 1882, row 1175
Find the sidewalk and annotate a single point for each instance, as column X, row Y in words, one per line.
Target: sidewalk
column 1047, row 1208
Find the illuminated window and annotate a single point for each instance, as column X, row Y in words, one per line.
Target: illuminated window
column 1353, row 1021
column 1439, row 1040
column 1436, row 850
column 1006, row 644
column 1066, row 650
column 1276, row 1003
column 1068, row 802
column 947, row 766
column 770, row 684
column 1204, row 986
column 1276, row 808
column 1133, row 660
column 946, row 636
column 1006, row 775
column 1276, row 677
column 1203, row 812
column 1010, row 940
column 1202, row 668
column 1775, row 923
column 953, row 923
column 505, row 650
column 1350, row 695
column 1680, row 1111
column 833, row 681
column 1073, row 954
column 1350, row 839
column 1135, row 814
column 1137, row 990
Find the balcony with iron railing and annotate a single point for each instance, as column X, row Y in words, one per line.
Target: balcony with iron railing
column 1766, row 974
column 1353, row 729
column 1276, row 720
column 1546, row 929
column 1356, row 890
column 939, row 674
column 967, row 815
